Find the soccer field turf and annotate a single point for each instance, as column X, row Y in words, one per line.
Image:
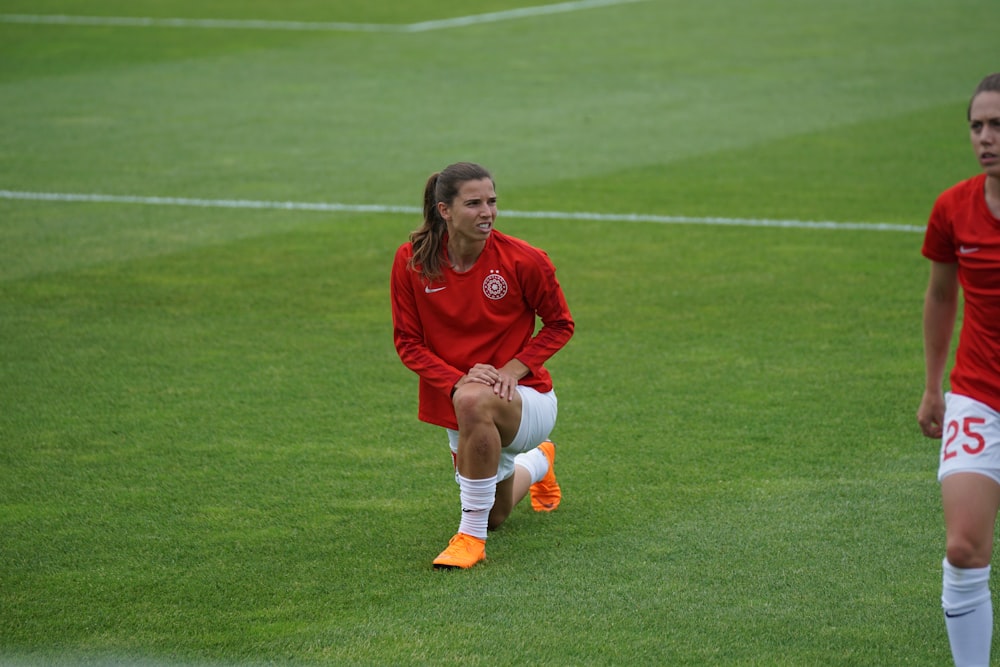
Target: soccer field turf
column 209, row 450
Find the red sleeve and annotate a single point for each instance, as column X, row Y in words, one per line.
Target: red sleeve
column 408, row 329
column 939, row 239
column 543, row 293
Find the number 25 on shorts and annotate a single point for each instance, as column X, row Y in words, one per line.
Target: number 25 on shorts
column 971, row 443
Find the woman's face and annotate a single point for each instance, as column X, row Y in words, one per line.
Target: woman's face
column 471, row 214
column 984, row 131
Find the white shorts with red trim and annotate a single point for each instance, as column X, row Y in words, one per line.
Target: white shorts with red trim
column 538, row 418
column 971, row 439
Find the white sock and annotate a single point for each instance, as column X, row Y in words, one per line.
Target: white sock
column 477, row 497
column 535, row 462
column 968, row 614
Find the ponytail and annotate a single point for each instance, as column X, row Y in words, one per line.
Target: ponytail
column 427, row 240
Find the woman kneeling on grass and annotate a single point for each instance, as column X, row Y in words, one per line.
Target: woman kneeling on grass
column 963, row 244
column 465, row 298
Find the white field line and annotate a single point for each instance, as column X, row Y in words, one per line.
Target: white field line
column 493, row 17
column 414, row 210
column 148, row 22
column 422, row 26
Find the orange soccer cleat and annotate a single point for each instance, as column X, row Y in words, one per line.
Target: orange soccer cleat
column 545, row 493
column 463, row 552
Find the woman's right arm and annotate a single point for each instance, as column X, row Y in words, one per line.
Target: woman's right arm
column 408, row 334
column 940, row 311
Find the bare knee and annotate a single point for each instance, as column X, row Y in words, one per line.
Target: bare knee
column 471, row 401
column 497, row 517
column 965, row 554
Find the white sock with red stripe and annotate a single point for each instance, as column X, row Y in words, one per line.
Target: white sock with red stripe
column 477, row 497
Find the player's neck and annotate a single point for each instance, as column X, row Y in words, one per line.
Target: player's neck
column 462, row 256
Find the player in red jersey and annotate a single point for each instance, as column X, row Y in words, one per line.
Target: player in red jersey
column 963, row 244
column 465, row 298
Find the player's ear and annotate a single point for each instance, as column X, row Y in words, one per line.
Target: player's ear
column 444, row 211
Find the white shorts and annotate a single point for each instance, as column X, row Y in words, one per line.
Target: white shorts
column 971, row 439
column 538, row 418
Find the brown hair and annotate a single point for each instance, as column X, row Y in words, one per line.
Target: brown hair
column 442, row 186
column 989, row 84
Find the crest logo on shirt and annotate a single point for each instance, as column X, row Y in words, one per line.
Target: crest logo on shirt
column 494, row 286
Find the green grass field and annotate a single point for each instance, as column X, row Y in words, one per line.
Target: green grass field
column 209, row 451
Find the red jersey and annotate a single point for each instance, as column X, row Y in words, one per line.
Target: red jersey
column 485, row 315
column 962, row 229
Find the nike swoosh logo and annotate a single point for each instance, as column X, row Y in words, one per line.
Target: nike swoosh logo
column 964, row 613
column 967, row 250
column 429, row 290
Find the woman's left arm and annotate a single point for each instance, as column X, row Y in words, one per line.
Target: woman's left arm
column 544, row 295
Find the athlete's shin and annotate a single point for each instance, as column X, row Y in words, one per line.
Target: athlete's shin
column 477, row 497
column 968, row 612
